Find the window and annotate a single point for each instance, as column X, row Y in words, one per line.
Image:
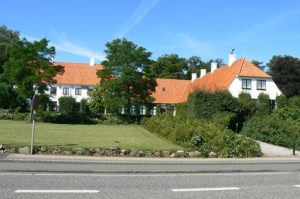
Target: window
column 53, row 91
column 77, row 91
column 142, row 109
column 65, row 91
column 261, row 85
column 164, row 89
column 246, row 84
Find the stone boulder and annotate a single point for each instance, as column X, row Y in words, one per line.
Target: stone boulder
column 24, row 150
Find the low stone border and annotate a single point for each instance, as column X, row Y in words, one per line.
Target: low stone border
column 105, row 152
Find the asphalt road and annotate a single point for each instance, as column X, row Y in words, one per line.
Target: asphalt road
column 15, row 163
column 210, row 185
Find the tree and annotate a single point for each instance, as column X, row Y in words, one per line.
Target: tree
column 96, row 99
column 30, row 64
column 264, row 106
column 7, row 39
column 259, row 64
column 170, row 66
column 124, row 81
column 285, row 71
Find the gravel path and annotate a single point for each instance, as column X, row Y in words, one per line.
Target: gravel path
column 271, row 150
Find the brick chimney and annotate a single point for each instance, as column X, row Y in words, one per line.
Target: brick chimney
column 214, row 66
column 92, row 61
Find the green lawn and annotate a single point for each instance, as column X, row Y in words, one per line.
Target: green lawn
column 65, row 135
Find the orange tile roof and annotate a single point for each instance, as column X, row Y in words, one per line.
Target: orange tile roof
column 170, row 91
column 78, row 74
column 221, row 78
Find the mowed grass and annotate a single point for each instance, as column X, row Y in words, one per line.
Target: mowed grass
column 125, row 136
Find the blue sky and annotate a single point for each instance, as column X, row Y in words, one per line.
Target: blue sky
column 79, row 29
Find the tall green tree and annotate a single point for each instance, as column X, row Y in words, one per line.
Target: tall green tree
column 170, row 66
column 124, row 80
column 285, row 71
column 30, row 64
column 7, row 39
column 259, row 64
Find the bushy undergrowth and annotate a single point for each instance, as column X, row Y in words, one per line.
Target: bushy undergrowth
column 203, row 136
column 65, row 118
column 6, row 114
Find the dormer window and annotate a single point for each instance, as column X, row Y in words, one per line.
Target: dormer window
column 246, row 84
column 261, row 85
column 164, row 89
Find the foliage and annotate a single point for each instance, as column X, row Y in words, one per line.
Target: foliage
column 272, row 129
column 263, row 106
column 96, row 103
column 281, row 101
column 67, row 104
column 202, row 135
column 259, row 64
column 225, row 120
column 124, row 79
column 30, row 64
column 202, row 105
column 169, row 66
column 248, row 104
column 6, row 114
column 84, row 106
column 111, row 119
column 285, row 71
column 7, row 39
column 65, row 118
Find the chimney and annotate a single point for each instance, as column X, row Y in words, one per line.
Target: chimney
column 194, row 76
column 214, row 66
column 231, row 58
column 92, row 61
column 202, row 72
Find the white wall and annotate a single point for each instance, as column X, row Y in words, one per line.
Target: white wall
column 271, row 89
column 59, row 92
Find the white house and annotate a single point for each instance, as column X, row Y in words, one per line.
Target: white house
column 77, row 80
column 239, row 76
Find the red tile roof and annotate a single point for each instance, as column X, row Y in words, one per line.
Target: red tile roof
column 170, row 91
column 78, row 74
column 221, row 78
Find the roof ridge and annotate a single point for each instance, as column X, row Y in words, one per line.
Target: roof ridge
column 241, row 66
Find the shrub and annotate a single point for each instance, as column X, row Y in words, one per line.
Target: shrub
column 271, row 129
column 202, row 135
column 83, row 106
column 281, row 101
column 67, row 104
column 248, row 104
column 6, row 114
column 225, row 120
column 65, row 118
column 112, row 119
column 202, row 105
column 264, row 106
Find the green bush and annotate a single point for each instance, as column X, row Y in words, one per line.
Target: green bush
column 67, row 104
column 6, row 114
column 202, row 105
column 264, row 106
column 281, row 101
column 65, row 118
column 84, row 106
column 272, row 129
column 202, row 135
column 112, row 119
column 249, row 106
column 226, row 120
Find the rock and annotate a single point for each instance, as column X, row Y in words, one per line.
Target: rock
column 132, row 153
column 157, row 154
column 115, row 148
column 108, row 152
column 24, row 150
column 1, row 151
column 67, row 153
column 79, row 151
column 173, row 155
column 1, row 146
column 141, row 154
column 212, row 154
column 180, row 154
column 148, row 154
column 92, row 150
column 56, row 150
column 166, row 154
column 192, row 154
column 198, row 154
column 43, row 149
column 124, row 151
